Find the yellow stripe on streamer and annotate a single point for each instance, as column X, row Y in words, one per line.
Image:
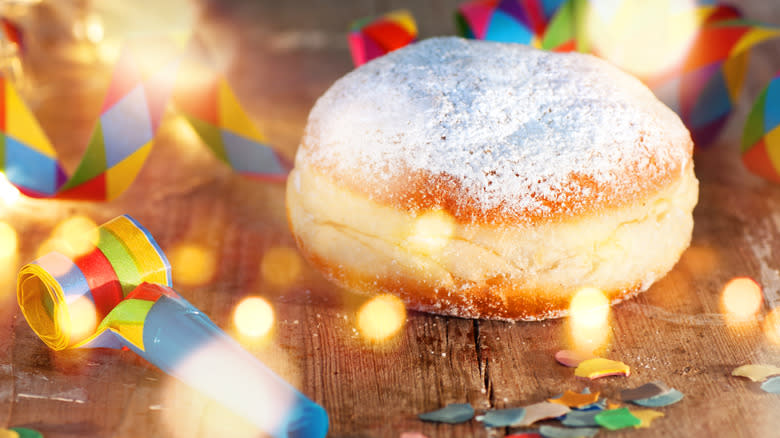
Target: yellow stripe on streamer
column 149, row 259
column 40, row 298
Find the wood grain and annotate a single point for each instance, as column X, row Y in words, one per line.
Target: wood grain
column 287, row 54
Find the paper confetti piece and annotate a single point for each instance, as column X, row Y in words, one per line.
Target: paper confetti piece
column 7, row 433
column 125, row 283
column 412, row 435
column 666, row 399
column 371, row 38
column 571, row 358
column 756, row 372
column 524, row 435
column 616, row 419
column 580, row 418
column 575, row 399
column 600, row 367
column 563, row 432
column 645, row 391
column 452, row 414
column 503, row 417
column 772, row 385
column 542, row 411
column 24, row 432
column 646, row 417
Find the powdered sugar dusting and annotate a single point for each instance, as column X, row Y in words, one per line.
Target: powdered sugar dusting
column 516, row 129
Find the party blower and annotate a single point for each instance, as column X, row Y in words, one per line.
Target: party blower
column 119, row 295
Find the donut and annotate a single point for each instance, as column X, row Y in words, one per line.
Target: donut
column 489, row 180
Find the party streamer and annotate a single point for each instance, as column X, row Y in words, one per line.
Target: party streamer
column 123, row 135
column 123, row 285
column 761, row 138
column 371, row 37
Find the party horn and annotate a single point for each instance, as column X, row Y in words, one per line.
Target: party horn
column 119, row 295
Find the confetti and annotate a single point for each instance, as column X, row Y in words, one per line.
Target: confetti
column 503, row 417
column 371, row 37
column 575, row 399
column 580, row 418
column 666, row 399
column 542, row 411
column 571, row 358
column 412, row 435
column 508, row 21
column 27, row 433
column 646, row 416
column 600, row 367
column 772, row 385
column 8, row 433
column 563, row 432
column 645, row 391
column 761, row 136
column 756, row 372
column 616, row 419
column 452, row 414
column 124, row 284
column 524, row 435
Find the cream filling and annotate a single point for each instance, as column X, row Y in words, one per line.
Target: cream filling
column 616, row 249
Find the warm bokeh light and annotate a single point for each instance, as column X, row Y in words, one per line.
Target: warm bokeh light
column 643, row 37
column 772, row 326
column 589, row 320
column 9, row 195
column 741, row 298
column 72, row 238
column 9, row 242
column 431, row 232
column 381, row 317
column 254, row 317
column 93, row 28
column 83, row 319
column 192, row 264
column 281, row 266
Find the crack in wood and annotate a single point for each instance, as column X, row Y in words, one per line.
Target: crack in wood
column 482, row 365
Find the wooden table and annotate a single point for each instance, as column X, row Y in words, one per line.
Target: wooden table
column 285, row 55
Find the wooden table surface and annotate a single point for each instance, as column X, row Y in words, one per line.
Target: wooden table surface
column 284, row 55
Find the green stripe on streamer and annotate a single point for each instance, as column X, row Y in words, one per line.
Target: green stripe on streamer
column 754, row 127
column 121, row 260
column 126, row 312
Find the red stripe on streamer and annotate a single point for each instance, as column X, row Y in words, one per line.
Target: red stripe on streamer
column 102, row 280
column 151, row 292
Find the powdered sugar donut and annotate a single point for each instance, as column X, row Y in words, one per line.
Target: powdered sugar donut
column 489, row 180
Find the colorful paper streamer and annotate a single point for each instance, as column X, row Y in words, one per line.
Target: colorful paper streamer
column 761, row 137
column 124, row 281
column 123, row 135
column 372, row 37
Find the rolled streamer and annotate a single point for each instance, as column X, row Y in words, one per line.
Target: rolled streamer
column 372, row 37
column 119, row 295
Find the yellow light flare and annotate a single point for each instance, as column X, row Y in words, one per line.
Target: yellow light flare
column 80, row 319
column 9, row 242
column 381, row 317
column 431, row 232
column 93, row 29
column 645, row 38
column 9, row 195
column 75, row 236
column 192, row 264
column 281, row 266
column 772, row 326
column 589, row 319
column 741, row 298
column 254, row 317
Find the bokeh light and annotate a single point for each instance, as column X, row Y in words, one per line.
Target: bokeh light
column 381, row 317
column 281, row 266
column 589, row 320
column 9, row 195
column 772, row 326
column 431, row 232
column 192, row 264
column 254, row 317
column 9, row 242
column 81, row 319
column 9, row 258
column 645, row 38
column 741, row 298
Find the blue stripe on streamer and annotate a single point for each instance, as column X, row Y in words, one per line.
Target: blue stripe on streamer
column 715, row 101
column 67, row 274
column 504, row 28
column 249, row 156
column 772, row 106
column 126, row 126
column 29, row 168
